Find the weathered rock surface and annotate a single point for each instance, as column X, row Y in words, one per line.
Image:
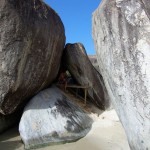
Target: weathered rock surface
column 50, row 117
column 93, row 59
column 80, row 67
column 31, row 44
column 121, row 31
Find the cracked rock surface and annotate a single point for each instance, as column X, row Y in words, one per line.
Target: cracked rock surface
column 121, row 32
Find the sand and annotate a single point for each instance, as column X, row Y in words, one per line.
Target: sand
column 107, row 133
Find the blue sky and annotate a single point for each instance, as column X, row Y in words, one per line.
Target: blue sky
column 76, row 16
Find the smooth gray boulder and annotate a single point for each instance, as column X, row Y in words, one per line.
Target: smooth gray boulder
column 51, row 118
column 78, row 64
column 32, row 40
column 121, row 32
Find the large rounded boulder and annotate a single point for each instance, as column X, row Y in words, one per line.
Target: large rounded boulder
column 50, row 118
column 31, row 44
column 121, row 32
column 80, row 67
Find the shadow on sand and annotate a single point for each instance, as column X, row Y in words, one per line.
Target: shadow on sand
column 10, row 140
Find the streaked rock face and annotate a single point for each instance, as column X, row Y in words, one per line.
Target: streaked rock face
column 31, row 44
column 51, row 118
column 121, row 32
column 80, row 67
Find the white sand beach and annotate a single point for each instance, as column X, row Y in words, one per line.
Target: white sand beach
column 107, row 133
